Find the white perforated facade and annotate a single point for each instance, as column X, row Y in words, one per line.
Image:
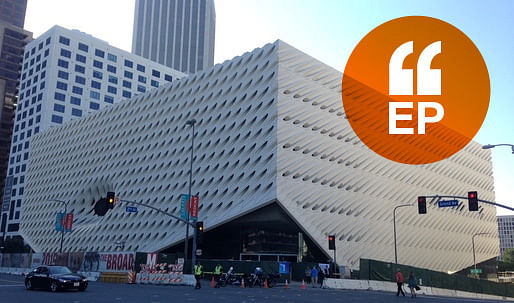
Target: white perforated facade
column 271, row 128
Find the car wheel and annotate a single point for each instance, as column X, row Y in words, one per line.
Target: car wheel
column 28, row 285
column 53, row 286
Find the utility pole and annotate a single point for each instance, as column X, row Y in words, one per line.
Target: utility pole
column 193, row 253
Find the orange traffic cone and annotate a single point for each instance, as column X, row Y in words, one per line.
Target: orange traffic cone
column 242, row 283
column 266, row 283
column 287, row 285
column 212, row 282
column 303, row 285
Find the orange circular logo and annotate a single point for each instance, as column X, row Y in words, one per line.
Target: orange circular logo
column 416, row 90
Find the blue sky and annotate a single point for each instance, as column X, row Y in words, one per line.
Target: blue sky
column 327, row 30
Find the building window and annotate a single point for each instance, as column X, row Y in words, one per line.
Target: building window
column 108, row 99
column 47, row 41
column 99, row 53
column 80, row 69
column 97, row 74
column 141, row 88
column 64, row 40
column 113, row 79
column 129, row 63
column 65, row 53
column 95, row 84
column 80, row 80
column 111, row 89
column 80, row 58
column 111, row 68
column 154, row 83
column 59, row 108
column 94, row 95
column 62, row 74
column 127, row 84
column 76, row 112
column 98, row 64
column 140, row 68
column 75, row 100
column 41, row 86
column 127, row 74
column 59, row 96
column 156, row 73
column 77, row 90
column 62, row 63
column 93, row 105
column 57, row 119
column 141, row 79
column 168, row 78
column 111, row 57
column 38, row 118
column 126, row 94
column 61, row 85
column 83, row 47
column 47, row 52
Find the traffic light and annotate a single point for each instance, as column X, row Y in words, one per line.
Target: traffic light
column 332, row 242
column 473, row 201
column 110, row 199
column 101, row 207
column 422, row 205
column 199, row 233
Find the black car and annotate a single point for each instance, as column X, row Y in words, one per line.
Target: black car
column 55, row 278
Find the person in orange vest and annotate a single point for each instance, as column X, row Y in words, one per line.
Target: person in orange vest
column 399, row 282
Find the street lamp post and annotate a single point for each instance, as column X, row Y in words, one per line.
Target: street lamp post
column 65, row 211
column 394, row 227
column 193, row 253
column 473, row 244
column 489, row 146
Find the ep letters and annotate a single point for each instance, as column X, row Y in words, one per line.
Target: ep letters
column 401, row 82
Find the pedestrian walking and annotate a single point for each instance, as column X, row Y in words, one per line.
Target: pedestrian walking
column 321, row 277
column 198, row 274
column 308, row 275
column 399, row 282
column 412, row 285
column 314, row 276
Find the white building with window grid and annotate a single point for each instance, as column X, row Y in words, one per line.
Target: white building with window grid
column 67, row 74
column 274, row 155
column 506, row 233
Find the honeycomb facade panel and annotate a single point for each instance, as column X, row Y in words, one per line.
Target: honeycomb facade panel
column 271, row 128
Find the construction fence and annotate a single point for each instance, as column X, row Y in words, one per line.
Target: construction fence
column 383, row 271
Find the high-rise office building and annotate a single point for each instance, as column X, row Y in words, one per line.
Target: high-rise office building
column 13, row 12
column 506, row 233
column 176, row 33
column 67, row 74
column 12, row 41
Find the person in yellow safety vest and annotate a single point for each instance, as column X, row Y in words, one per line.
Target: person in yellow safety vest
column 218, row 270
column 198, row 274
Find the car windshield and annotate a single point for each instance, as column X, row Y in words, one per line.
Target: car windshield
column 58, row 270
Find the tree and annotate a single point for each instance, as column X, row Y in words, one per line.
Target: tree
column 508, row 256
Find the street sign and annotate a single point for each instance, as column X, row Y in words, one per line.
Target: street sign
column 131, row 209
column 283, row 268
column 183, row 206
column 476, row 271
column 448, row 203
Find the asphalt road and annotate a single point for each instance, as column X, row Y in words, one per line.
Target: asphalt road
column 13, row 290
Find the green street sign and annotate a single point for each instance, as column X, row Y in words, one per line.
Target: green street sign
column 476, row 271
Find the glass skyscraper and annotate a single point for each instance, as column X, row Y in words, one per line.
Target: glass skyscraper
column 176, row 33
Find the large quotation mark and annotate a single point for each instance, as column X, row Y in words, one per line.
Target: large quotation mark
column 401, row 83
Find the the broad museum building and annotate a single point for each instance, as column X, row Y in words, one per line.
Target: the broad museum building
column 276, row 166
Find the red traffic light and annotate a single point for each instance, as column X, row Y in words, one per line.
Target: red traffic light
column 471, row 195
column 330, row 238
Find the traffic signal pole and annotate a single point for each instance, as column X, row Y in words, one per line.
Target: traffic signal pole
column 394, row 230
column 479, row 200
